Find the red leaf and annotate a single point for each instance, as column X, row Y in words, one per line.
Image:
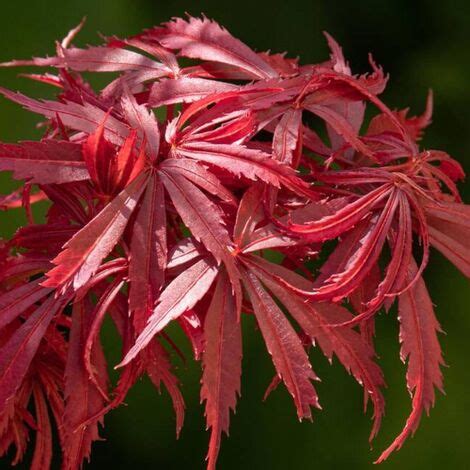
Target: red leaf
column 269, row 236
column 81, row 117
column 183, row 252
column 289, row 357
column 286, row 136
column 144, row 121
column 106, row 59
column 222, row 364
column 341, row 126
column 249, row 214
column 148, row 253
column 343, row 219
column 17, row 300
column 84, row 252
column 241, row 161
column 195, row 172
column 98, row 154
column 179, row 296
column 184, row 90
column 46, row 162
column 344, row 281
column 18, row 352
column 420, row 346
column 82, row 399
column 198, row 212
column 205, row 39
column 352, row 350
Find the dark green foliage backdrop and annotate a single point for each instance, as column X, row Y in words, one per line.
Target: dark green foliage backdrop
column 421, row 44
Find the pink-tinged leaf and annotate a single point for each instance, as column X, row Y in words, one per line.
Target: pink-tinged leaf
column 353, row 112
column 284, row 345
column 46, row 162
column 17, row 300
column 337, row 58
column 420, row 346
column 354, row 353
column 110, row 268
column 47, row 78
column 144, row 121
column 344, row 250
column 344, row 281
column 205, row 39
column 35, row 61
column 80, row 117
column 199, row 213
column 71, row 34
column 150, row 47
column 401, row 256
column 341, row 126
column 18, row 352
column 105, row 59
column 222, row 364
column 286, row 136
column 269, row 236
column 250, row 213
column 237, row 129
column 179, row 296
column 343, row 219
column 96, row 59
column 195, row 172
column 148, row 254
column 82, row 399
column 257, row 96
column 84, row 252
column 216, row 70
column 184, row 90
column 133, row 81
column 355, row 177
column 362, row 295
column 241, row 161
column 183, row 252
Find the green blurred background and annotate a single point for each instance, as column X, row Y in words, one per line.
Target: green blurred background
column 421, row 44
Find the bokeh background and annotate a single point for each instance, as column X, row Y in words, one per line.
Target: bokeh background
column 421, row 44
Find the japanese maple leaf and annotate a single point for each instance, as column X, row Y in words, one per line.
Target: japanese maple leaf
column 165, row 190
column 222, row 329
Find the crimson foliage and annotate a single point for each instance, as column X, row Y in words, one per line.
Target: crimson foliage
column 168, row 188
